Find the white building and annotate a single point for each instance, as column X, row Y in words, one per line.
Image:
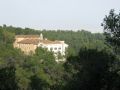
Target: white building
column 28, row 43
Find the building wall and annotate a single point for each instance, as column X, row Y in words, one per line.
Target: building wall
column 56, row 48
column 27, row 48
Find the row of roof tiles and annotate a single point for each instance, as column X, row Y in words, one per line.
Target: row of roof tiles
column 36, row 41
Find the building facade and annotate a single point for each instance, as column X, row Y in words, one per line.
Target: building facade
column 29, row 43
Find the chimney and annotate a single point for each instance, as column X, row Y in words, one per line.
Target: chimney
column 41, row 36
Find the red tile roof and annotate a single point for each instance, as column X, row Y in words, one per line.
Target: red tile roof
column 29, row 41
column 36, row 41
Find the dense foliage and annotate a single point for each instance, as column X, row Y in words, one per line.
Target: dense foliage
column 75, row 39
column 111, row 24
column 90, row 63
column 92, row 70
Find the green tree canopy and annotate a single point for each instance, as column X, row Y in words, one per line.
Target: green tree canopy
column 92, row 70
column 111, row 24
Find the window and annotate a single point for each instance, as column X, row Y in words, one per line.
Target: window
column 51, row 48
column 55, row 48
column 59, row 48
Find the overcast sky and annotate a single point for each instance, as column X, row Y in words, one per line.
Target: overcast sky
column 56, row 14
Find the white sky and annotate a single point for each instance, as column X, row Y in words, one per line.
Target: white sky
column 56, row 14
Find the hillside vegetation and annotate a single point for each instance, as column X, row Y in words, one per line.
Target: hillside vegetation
column 92, row 62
